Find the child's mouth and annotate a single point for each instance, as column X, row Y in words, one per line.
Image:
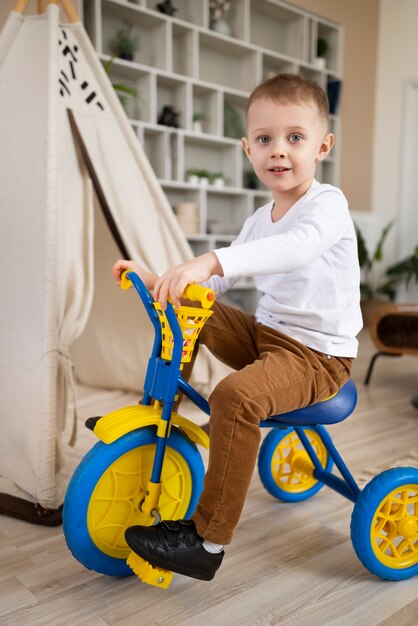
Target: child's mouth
column 278, row 171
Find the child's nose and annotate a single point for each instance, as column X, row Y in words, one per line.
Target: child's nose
column 279, row 149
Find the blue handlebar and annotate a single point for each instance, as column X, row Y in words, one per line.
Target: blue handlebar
column 148, row 302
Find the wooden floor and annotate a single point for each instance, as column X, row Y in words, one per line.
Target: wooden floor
column 288, row 563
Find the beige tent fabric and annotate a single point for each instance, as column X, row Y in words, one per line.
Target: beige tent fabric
column 48, row 239
column 46, row 235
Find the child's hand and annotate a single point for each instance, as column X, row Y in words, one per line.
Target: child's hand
column 147, row 277
column 171, row 284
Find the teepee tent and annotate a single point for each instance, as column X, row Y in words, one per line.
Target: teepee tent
column 65, row 141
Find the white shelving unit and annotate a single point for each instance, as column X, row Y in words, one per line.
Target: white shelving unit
column 182, row 63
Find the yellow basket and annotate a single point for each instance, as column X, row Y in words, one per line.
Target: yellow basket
column 191, row 321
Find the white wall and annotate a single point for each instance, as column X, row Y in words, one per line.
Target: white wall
column 360, row 22
column 397, row 64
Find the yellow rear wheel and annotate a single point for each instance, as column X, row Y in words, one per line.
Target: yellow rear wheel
column 394, row 528
column 285, row 467
column 384, row 524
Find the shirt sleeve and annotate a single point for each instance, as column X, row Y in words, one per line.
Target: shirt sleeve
column 220, row 284
column 318, row 228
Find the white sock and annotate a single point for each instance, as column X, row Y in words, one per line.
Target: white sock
column 214, row 548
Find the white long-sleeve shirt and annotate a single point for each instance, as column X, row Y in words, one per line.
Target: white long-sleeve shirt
column 306, row 267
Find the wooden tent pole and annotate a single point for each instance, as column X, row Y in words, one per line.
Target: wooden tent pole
column 20, row 6
column 70, row 11
column 68, row 6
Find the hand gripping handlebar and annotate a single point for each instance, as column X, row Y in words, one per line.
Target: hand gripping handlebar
column 205, row 296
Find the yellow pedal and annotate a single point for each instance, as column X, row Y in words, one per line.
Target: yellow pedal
column 148, row 573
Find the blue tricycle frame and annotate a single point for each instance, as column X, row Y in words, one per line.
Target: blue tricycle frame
column 295, row 461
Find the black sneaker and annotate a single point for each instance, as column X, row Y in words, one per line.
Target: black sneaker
column 175, row 546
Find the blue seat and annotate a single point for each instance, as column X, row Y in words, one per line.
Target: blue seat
column 331, row 411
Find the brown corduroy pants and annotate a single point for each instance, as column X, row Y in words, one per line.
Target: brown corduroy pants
column 274, row 374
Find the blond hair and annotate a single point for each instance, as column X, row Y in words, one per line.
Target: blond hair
column 292, row 88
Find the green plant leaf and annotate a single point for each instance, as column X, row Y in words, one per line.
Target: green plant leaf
column 107, row 65
column 366, row 291
column 404, row 271
column 378, row 253
column 321, row 47
column 126, row 89
column 363, row 254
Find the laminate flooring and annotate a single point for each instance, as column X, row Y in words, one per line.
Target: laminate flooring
column 288, row 563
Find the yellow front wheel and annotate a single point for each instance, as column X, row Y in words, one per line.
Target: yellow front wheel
column 105, row 495
column 384, row 524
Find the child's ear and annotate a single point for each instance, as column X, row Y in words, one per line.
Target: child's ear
column 326, row 146
column 246, row 147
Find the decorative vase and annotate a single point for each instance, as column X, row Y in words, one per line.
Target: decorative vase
column 221, row 26
column 320, row 62
column 188, row 217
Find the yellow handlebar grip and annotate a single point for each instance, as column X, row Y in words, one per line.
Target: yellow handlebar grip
column 196, row 292
column 125, row 283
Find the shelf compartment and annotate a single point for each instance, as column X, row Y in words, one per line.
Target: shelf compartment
column 243, row 296
column 177, row 194
column 183, row 46
column 188, row 206
column 91, row 21
column 278, row 29
column 214, row 156
column 151, row 30
column 224, row 62
column 156, row 145
column 199, row 246
column 226, row 213
column 234, row 122
column 188, row 10
column 236, row 20
column 260, row 198
column 128, row 74
column 314, row 74
column 206, row 103
column 332, row 35
column 327, row 172
column 274, row 64
column 173, row 92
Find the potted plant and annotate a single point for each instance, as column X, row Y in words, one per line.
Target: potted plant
column 203, row 177
column 217, row 179
column 197, row 176
column 321, row 51
column 405, row 271
column 192, row 176
column 375, row 286
column 125, row 44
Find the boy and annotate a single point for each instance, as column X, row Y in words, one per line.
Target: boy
column 298, row 349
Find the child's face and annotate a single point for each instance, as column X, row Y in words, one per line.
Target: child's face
column 284, row 144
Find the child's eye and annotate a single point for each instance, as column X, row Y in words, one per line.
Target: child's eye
column 295, row 138
column 264, row 139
